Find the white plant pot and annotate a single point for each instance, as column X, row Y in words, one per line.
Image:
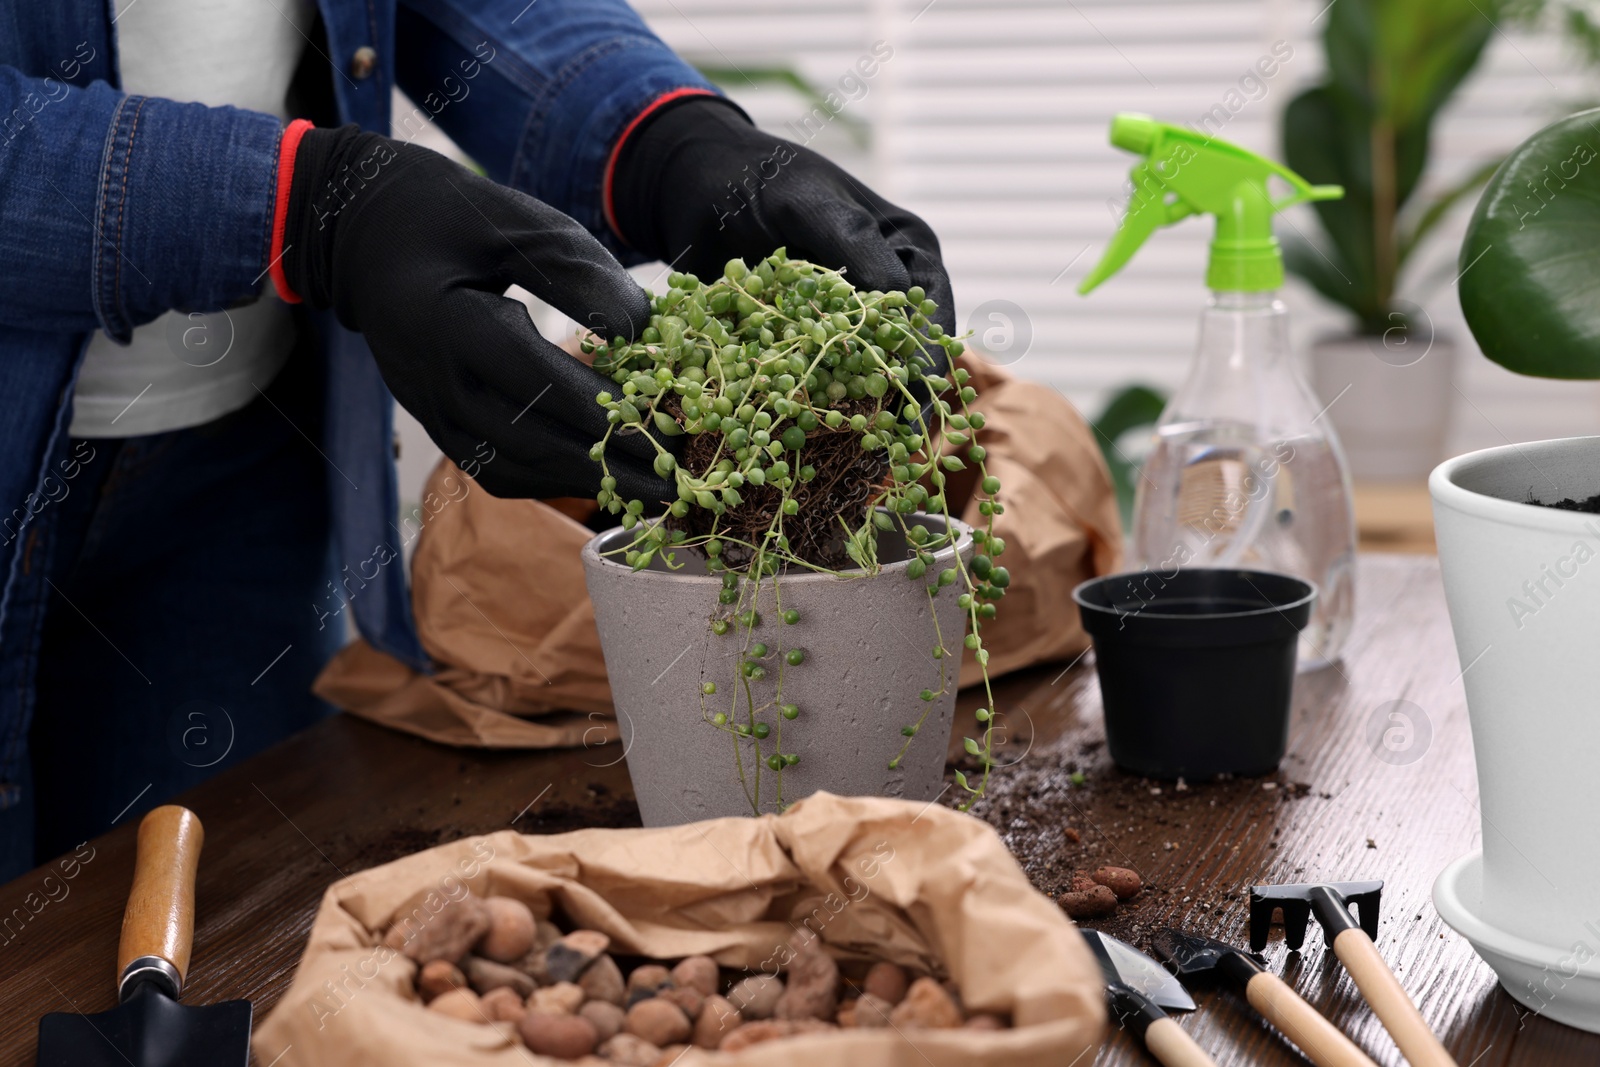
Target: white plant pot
column 1523, row 586
column 1390, row 402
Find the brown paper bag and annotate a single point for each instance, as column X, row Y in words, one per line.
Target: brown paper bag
column 923, row 886
column 499, row 598
column 1061, row 525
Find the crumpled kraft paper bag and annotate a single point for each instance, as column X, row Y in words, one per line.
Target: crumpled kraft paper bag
column 921, row 885
column 501, row 607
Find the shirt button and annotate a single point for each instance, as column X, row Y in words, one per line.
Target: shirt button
column 363, row 62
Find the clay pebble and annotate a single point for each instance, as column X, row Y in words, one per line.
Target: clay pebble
column 511, row 930
column 887, row 981
column 607, row 1018
column 1094, row 903
column 658, row 1021
column 718, row 1018
column 432, row 927
column 927, row 1006
column 602, row 980
column 1120, row 880
column 562, row 1037
column 484, row 975
column 756, row 997
column 630, row 1050
column 459, row 1004
column 439, row 976
column 812, row 988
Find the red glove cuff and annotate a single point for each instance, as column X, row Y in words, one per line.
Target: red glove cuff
column 288, row 146
column 616, row 150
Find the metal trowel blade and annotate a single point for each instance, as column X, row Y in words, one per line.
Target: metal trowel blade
column 149, row 1029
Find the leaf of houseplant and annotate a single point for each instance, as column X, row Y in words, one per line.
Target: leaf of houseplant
column 1394, row 63
column 1391, row 65
column 1530, row 282
column 1320, row 145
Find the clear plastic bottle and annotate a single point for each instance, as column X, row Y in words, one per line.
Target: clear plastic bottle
column 1246, row 472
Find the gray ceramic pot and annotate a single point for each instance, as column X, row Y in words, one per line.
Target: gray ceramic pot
column 868, row 644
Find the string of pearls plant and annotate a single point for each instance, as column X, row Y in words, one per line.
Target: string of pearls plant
column 816, row 415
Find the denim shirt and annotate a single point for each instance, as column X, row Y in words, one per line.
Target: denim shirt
column 116, row 208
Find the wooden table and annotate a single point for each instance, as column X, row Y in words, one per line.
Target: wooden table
column 346, row 795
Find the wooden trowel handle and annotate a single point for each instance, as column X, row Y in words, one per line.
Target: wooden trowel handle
column 159, row 923
column 1171, row 1044
column 1322, row 1042
column 1389, row 1001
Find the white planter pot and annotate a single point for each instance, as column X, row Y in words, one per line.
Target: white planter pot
column 1523, row 585
column 1394, row 411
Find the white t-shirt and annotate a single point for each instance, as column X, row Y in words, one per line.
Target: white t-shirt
column 184, row 370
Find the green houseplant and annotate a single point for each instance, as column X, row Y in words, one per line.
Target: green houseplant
column 1521, row 579
column 795, row 620
column 1391, row 66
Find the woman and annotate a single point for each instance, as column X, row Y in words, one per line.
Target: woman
column 205, row 308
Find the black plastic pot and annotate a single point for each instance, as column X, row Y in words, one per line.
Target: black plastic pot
column 1196, row 668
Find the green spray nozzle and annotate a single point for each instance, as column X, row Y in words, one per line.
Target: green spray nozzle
column 1187, row 173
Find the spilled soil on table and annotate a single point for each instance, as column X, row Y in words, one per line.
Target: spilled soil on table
column 1064, row 808
column 606, row 809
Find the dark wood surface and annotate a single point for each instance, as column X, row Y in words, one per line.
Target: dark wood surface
column 346, row 795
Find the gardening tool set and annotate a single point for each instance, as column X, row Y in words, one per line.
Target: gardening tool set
column 1140, row 992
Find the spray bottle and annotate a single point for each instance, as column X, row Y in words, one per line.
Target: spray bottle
column 1244, row 471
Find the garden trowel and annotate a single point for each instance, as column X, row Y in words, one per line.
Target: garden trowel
column 1196, row 954
column 1137, row 990
column 149, row 1028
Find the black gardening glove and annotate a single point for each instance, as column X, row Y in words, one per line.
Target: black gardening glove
column 415, row 252
column 672, row 199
